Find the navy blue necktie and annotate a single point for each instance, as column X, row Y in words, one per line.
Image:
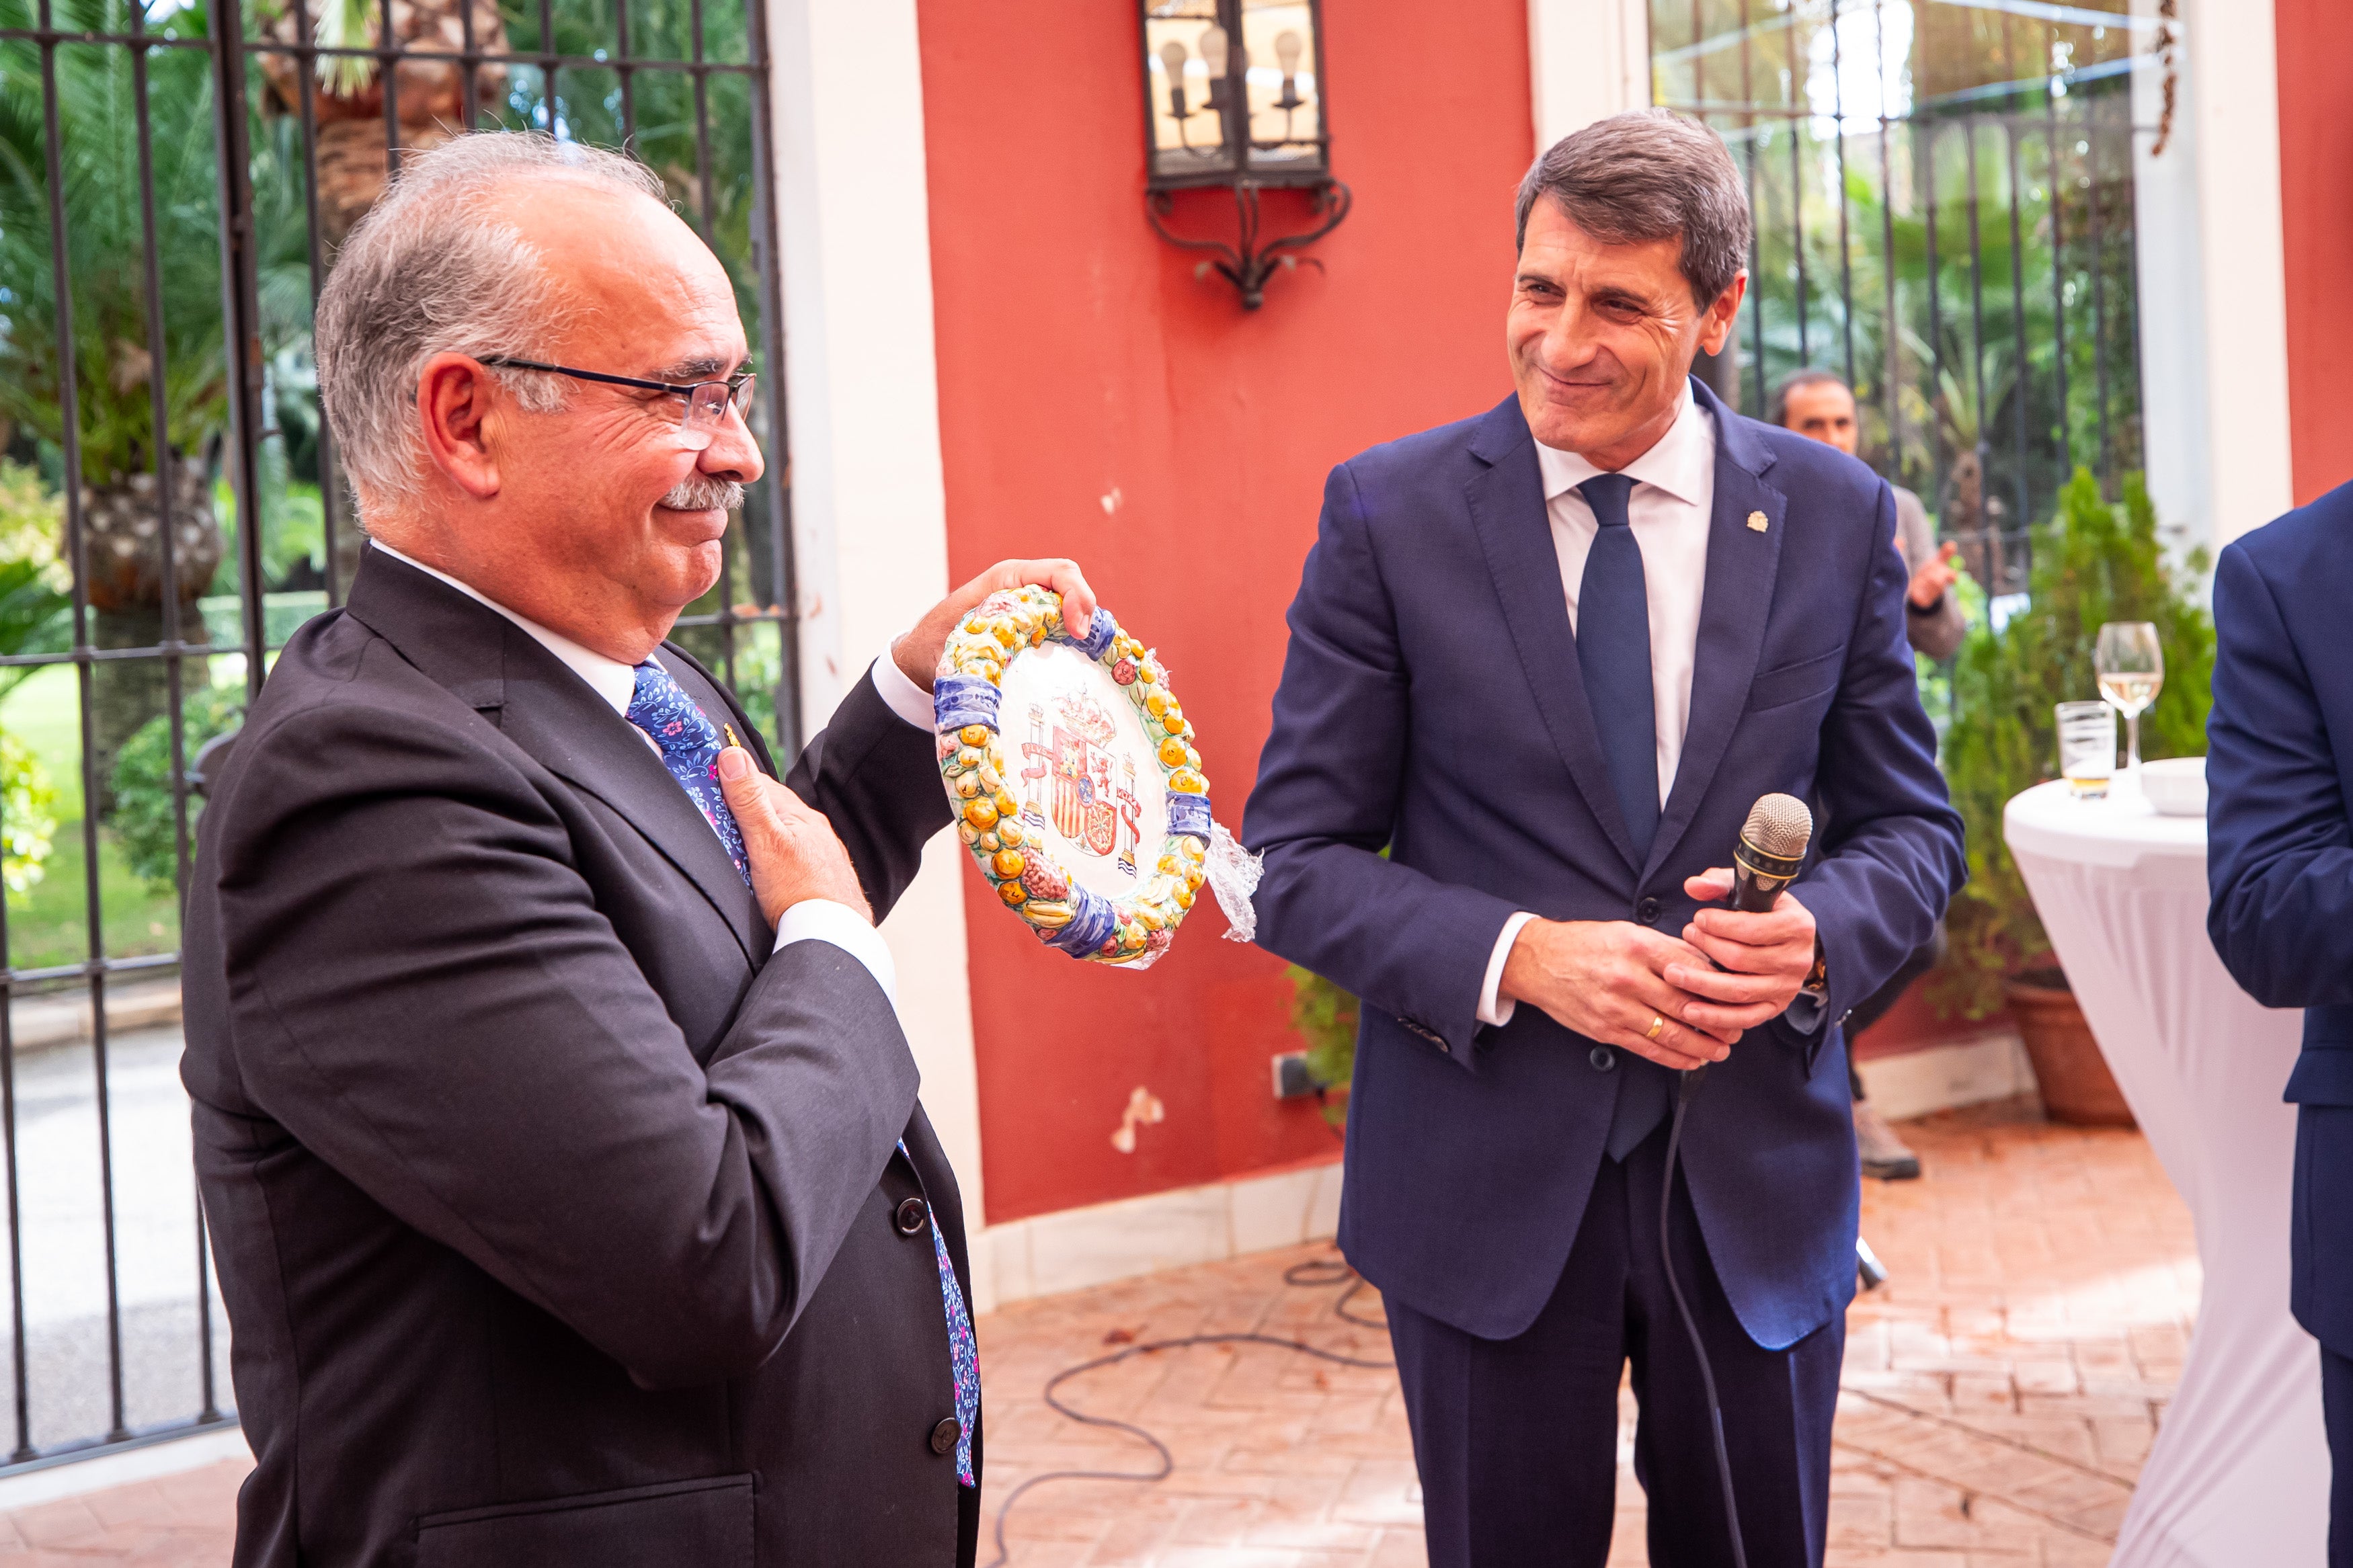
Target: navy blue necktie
column 1613, row 650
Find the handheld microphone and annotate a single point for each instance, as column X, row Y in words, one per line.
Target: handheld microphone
column 1771, row 853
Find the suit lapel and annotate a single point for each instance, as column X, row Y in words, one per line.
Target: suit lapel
column 502, row 673
column 1742, row 566
column 575, row 734
column 1507, row 507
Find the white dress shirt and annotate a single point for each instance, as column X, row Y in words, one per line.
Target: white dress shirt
column 811, row 920
column 1673, row 495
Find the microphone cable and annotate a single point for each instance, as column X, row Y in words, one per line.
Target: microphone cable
column 1314, row 1271
column 1685, row 1090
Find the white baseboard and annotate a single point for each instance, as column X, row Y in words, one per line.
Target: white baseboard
column 1074, row 1248
column 1967, row 1072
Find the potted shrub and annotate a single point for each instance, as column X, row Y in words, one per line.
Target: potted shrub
column 2094, row 562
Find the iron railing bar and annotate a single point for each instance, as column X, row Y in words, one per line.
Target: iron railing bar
column 1846, row 246
column 2018, row 336
column 1797, row 190
column 1936, row 366
column 388, row 76
column 330, row 499
column 78, row 548
column 84, row 35
column 469, row 83
column 1755, row 246
column 626, row 74
column 18, row 1369
column 2056, row 186
column 1996, row 557
column 1698, row 55
column 547, row 62
column 105, row 655
column 460, row 56
column 1892, row 338
column 704, row 207
column 16, row 979
column 91, row 1447
column 785, row 605
column 2128, row 307
column 173, row 705
column 2099, row 294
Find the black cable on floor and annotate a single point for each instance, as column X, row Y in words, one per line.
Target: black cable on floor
column 1313, row 1273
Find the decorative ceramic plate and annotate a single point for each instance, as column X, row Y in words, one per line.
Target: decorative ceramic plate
column 1073, row 775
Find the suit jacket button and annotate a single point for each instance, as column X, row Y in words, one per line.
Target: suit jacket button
column 944, row 1436
column 911, row 1216
column 1602, row 1058
column 1647, row 912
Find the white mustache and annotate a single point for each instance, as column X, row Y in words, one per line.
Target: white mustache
column 700, row 494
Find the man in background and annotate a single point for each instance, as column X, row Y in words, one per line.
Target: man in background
column 1820, row 405
column 2279, row 834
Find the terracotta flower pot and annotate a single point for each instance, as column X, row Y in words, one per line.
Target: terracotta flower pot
column 2077, row 1087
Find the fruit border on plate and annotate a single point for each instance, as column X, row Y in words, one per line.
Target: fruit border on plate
column 1133, row 930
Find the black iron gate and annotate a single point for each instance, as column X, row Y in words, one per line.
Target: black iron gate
column 1944, row 203
column 175, row 176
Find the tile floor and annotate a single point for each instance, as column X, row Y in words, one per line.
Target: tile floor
column 1999, row 1394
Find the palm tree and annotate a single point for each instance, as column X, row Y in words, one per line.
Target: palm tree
column 429, row 95
column 113, row 368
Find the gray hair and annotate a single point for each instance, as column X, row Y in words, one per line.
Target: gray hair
column 434, row 268
column 1776, row 407
column 1649, row 174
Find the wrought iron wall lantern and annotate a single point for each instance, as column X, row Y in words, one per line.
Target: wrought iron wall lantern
column 1234, row 100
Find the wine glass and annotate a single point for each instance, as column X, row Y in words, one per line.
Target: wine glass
column 2132, row 671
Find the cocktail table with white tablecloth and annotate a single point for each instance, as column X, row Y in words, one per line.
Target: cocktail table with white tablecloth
column 2238, row 1474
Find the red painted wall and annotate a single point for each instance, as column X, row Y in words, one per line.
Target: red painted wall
column 2315, row 59
column 1081, row 358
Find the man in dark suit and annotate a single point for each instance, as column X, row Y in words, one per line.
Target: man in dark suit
column 2279, row 828
column 1548, row 658
column 555, row 1129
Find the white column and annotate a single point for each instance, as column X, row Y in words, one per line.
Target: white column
column 1587, row 58
column 2212, row 298
column 869, row 509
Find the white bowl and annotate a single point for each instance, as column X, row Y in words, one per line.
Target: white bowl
column 2176, row 786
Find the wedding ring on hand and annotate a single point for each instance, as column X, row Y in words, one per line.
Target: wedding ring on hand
column 1657, row 1023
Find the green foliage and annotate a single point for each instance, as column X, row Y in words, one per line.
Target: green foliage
column 104, row 264
column 1325, row 1017
column 28, row 822
column 143, row 820
column 2095, row 562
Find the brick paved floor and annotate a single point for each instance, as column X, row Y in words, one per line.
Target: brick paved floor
column 1999, row 1394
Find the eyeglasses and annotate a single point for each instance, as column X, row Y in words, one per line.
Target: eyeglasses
column 706, row 401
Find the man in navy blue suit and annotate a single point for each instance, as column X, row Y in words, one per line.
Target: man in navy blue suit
column 1548, row 658
column 2279, row 831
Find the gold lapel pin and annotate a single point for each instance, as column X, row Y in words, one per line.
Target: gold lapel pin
column 1755, row 522
column 728, row 731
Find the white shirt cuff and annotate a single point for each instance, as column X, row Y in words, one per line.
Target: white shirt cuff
column 1493, row 1009
column 822, row 920
column 901, row 695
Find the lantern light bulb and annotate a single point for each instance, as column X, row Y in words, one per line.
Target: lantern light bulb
column 1287, row 47
column 1172, row 60
column 1213, row 50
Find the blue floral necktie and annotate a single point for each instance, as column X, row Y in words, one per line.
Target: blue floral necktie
column 964, row 1351
column 690, row 750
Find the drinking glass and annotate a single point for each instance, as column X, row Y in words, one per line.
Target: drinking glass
column 2132, row 671
column 2087, row 748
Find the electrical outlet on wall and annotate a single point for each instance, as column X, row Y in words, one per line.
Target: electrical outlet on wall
column 1292, row 1078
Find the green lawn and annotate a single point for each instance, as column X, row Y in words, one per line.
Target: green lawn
column 49, row 924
